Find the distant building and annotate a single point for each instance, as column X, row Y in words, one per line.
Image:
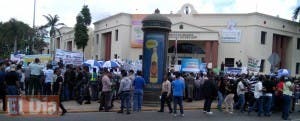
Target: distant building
column 66, row 41
column 212, row 38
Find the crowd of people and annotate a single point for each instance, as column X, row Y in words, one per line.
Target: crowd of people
column 241, row 92
column 263, row 94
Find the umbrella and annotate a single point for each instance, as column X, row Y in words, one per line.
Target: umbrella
column 283, row 72
column 92, row 63
column 110, row 64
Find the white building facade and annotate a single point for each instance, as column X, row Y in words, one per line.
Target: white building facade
column 66, row 42
column 212, row 38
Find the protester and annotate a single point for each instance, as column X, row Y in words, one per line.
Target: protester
column 258, row 95
column 94, row 85
column 241, row 90
column 12, row 81
column 124, row 92
column 2, row 86
column 178, row 87
column 57, row 89
column 221, row 92
column 210, row 92
column 84, row 90
column 165, row 95
column 48, row 85
column 287, row 93
column 106, row 92
column 229, row 101
column 269, row 87
column 138, row 84
column 190, row 79
column 35, row 77
column 69, row 78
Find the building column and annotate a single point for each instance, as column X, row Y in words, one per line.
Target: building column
column 207, row 51
column 274, row 45
column 278, row 48
column 215, row 54
column 283, row 51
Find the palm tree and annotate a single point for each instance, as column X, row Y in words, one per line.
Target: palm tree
column 53, row 25
column 296, row 13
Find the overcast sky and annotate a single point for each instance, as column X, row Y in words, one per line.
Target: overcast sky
column 68, row 9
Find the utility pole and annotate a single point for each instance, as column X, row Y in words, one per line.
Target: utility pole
column 34, row 30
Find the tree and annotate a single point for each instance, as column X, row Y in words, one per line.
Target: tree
column 17, row 31
column 296, row 13
column 83, row 20
column 52, row 23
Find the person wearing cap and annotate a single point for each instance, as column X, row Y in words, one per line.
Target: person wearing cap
column 12, row 81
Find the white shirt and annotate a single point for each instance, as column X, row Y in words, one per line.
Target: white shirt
column 49, row 75
column 258, row 90
column 240, row 87
column 35, row 69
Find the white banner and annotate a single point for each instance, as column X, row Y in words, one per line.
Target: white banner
column 253, row 64
column 231, row 35
column 69, row 57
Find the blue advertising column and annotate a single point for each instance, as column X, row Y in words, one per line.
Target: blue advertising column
column 156, row 29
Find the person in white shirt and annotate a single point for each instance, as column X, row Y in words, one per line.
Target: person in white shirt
column 258, row 95
column 241, row 90
column 47, row 90
column 35, row 77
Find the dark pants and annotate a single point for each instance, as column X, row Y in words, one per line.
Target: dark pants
column 178, row 100
column 286, row 106
column 267, row 105
column 125, row 97
column 84, row 94
column 2, row 96
column 105, row 100
column 94, row 89
column 47, row 89
column 197, row 93
column 34, row 85
column 61, row 105
column 165, row 99
column 207, row 104
column 12, row 90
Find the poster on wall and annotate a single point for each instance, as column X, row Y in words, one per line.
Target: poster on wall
column 231, row 34
column 153, row 58
column 137, row 32
column 190, row 65
column 69, row 57
column 253, row 64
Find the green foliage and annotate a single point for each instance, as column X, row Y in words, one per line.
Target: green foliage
column 52, row 23
column 296, row 13
column 81, row 36
column 81, row 30
column 86, row 15
column 14, row 35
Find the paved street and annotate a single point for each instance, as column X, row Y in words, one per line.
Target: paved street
column 192, row 115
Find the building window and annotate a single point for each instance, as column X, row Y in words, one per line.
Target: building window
column 262, row 65
column 97, row 38
column 58, row 43
column 229, row 62
column 181, row 26
column 263, row 37
column 298, row 44
column 297, row 68
column 117, row 34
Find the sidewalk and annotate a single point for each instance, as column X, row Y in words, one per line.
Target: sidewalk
column 73, row 106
